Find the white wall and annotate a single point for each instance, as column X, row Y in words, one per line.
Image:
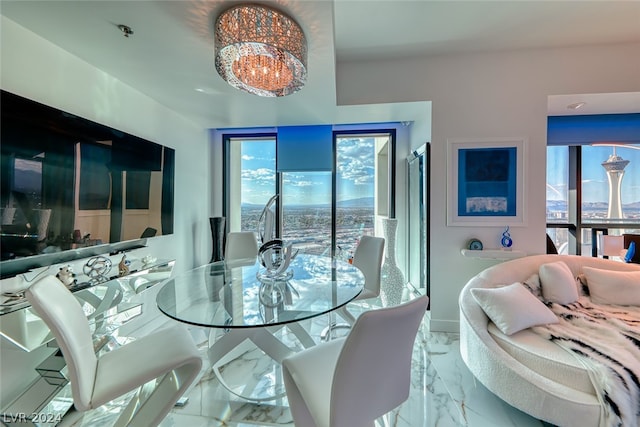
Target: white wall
column 483, row 96
column 37, row 69
column 34, row 68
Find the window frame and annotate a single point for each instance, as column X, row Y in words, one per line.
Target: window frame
column 575, row 223
column 227, row 139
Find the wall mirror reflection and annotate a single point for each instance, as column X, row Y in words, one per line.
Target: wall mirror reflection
column 69, row 183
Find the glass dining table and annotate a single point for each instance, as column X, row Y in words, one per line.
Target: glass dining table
column 240, row 307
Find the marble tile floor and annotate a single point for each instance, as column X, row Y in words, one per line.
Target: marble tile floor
column 443, row 393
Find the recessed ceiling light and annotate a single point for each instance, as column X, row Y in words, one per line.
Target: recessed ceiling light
column 126, row 30
column 576, row 105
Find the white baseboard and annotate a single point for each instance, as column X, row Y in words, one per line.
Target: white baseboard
column 452, row 326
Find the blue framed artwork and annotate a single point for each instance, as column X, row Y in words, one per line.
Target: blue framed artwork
column 486, row 182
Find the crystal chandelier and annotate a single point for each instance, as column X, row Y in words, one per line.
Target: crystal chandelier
column 260, row 50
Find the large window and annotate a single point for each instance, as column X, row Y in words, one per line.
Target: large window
column 611, row 183
column 321, row 212
column 592, row 190
column 355, row 188
column 251, row 179
column 558, row 196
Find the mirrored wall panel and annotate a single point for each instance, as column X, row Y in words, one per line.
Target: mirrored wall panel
column 70, row 183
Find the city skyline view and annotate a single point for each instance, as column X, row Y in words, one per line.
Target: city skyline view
column 595, row 185
column 306, row 197
column 595, row 192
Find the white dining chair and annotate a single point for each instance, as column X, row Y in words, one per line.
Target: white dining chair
column 352, row 381
column 241, row 245
column 367, row 258
column 168, row 357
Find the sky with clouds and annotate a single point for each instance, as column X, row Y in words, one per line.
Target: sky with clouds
column 355, row 174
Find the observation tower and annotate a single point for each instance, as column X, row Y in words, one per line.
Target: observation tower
column 614, row 166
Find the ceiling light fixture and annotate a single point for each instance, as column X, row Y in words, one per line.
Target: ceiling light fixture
column 126, row 30
column 576, row 105
column 260, row 50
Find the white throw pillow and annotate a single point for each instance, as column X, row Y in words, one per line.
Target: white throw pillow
column 613, row 287
column 513, row 308
column 558, row 283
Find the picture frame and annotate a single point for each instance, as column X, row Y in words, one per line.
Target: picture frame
column 485, row 183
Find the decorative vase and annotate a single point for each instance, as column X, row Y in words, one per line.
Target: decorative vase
column 392, row 279
column 217, row 224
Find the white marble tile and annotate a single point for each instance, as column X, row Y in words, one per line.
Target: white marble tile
column 443, row 391
column 476, row 405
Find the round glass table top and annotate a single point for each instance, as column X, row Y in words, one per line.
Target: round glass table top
column 233, row 294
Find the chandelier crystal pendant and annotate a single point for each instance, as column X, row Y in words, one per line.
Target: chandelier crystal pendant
column 260, row 50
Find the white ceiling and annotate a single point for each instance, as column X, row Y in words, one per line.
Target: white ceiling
column 170, row 55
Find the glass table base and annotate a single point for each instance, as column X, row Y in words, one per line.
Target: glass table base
column 247, row 362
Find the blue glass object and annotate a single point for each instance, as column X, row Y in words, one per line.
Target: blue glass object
column 630, row 252
column 506, row 239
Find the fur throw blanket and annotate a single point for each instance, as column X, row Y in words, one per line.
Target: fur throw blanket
column 606, row 340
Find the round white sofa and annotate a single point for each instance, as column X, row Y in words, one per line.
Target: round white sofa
column 546, row 397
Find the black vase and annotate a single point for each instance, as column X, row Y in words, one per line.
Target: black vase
column 217, row 237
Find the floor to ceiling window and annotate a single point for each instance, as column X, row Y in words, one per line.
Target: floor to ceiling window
column 355, row 188
column 558, row 196
column 321, row 212
column 251, row 179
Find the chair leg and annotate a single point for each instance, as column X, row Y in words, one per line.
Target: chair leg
column 302, row 335
column 151, row 411
column 383, row 421
column 325, row 335
column 297, row 405
column 129, row 411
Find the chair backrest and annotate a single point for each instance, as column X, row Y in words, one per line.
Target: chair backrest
column 241, row 245
column 373, row 372
column 148, row 232
column 368, row 258
column 62, row 313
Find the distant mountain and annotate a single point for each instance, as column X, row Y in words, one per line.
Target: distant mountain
column 634, row 205
column 361, row 202
column 252, row 206
column 556, row 205
column 595, row 206
column 561, row 205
